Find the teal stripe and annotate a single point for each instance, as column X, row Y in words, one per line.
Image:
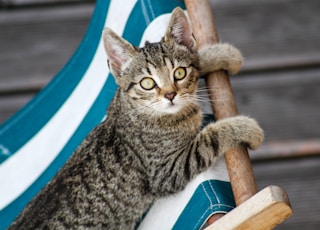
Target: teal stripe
column 22, row 126
column 210, row 197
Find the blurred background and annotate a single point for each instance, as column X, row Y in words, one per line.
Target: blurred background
column 279, row 84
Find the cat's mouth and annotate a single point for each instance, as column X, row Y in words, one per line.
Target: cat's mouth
column 171, row 107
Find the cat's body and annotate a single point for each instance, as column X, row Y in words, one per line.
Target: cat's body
column 150, row 144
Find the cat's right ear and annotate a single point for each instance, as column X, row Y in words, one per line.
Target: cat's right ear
column 179, row 29
column 119, row 51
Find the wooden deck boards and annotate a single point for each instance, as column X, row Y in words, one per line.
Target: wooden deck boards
column 278, row 85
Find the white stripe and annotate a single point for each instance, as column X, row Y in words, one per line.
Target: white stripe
column 24, row 167
column 156, row 29
column 165, row 212
column 118, row 14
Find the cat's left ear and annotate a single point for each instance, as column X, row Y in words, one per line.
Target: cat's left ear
column 179, row 29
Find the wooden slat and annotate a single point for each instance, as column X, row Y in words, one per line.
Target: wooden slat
column 286, row 103
column 263, row 211
column 34, row 49
column 266, row 30
column 276, row 150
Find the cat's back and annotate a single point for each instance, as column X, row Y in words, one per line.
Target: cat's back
column 95, row 188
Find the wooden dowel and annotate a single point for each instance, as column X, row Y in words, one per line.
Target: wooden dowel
column 222, row 101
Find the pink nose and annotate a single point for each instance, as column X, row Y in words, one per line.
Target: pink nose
column 170, row 96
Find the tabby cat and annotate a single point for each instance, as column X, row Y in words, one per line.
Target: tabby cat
column 150, row 144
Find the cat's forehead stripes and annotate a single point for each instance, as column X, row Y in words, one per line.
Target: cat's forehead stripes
column 157, row 64
column 155, row 75
column 169, row 63
column 153, row 54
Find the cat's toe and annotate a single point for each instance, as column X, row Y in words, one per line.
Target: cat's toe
column 236, row 59
column 246, row 130
column 257, row 140
column 255, row 134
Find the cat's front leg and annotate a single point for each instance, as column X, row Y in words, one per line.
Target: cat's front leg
column 202, row 152
column 219, row 56
column 231, row 132
column 217, row 138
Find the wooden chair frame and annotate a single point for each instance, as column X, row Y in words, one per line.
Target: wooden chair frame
column 255, row 210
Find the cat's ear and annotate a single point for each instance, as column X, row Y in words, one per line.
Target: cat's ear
column 119, row 51
column 179, row 29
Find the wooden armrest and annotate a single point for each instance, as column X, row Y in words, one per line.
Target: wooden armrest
column 264, row 210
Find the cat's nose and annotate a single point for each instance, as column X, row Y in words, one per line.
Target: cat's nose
column 170, row 96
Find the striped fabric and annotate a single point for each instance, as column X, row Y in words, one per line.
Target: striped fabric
column 38, row 139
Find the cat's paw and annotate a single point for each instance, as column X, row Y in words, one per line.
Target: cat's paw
column 241, row 130
column 236, row 59
column 219, row 56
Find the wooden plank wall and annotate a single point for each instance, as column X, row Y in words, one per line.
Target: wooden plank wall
column 19, row 3
column 278, row 84
column 280, row 79
column 35, row 45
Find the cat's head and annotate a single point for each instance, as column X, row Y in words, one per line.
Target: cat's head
column 160, row 76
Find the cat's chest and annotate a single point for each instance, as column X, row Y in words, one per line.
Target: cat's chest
column 160, row 140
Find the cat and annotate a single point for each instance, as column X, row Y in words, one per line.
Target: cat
column 150, row 145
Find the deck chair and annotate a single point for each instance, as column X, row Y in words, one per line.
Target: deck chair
column 38, row 139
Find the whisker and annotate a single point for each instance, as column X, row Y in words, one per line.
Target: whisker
column 206, row 88
column 188, row 100
column 142, row 109
column 204, row 99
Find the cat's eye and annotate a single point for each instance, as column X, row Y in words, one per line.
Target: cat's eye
column 147, row 83
column 180, row 73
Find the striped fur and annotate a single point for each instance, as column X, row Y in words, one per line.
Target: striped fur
column 150, row 144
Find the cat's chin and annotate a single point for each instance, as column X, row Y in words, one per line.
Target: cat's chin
column 170, row 109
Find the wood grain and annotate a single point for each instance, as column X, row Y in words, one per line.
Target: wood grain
column 265, row 210
column 222, row 101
